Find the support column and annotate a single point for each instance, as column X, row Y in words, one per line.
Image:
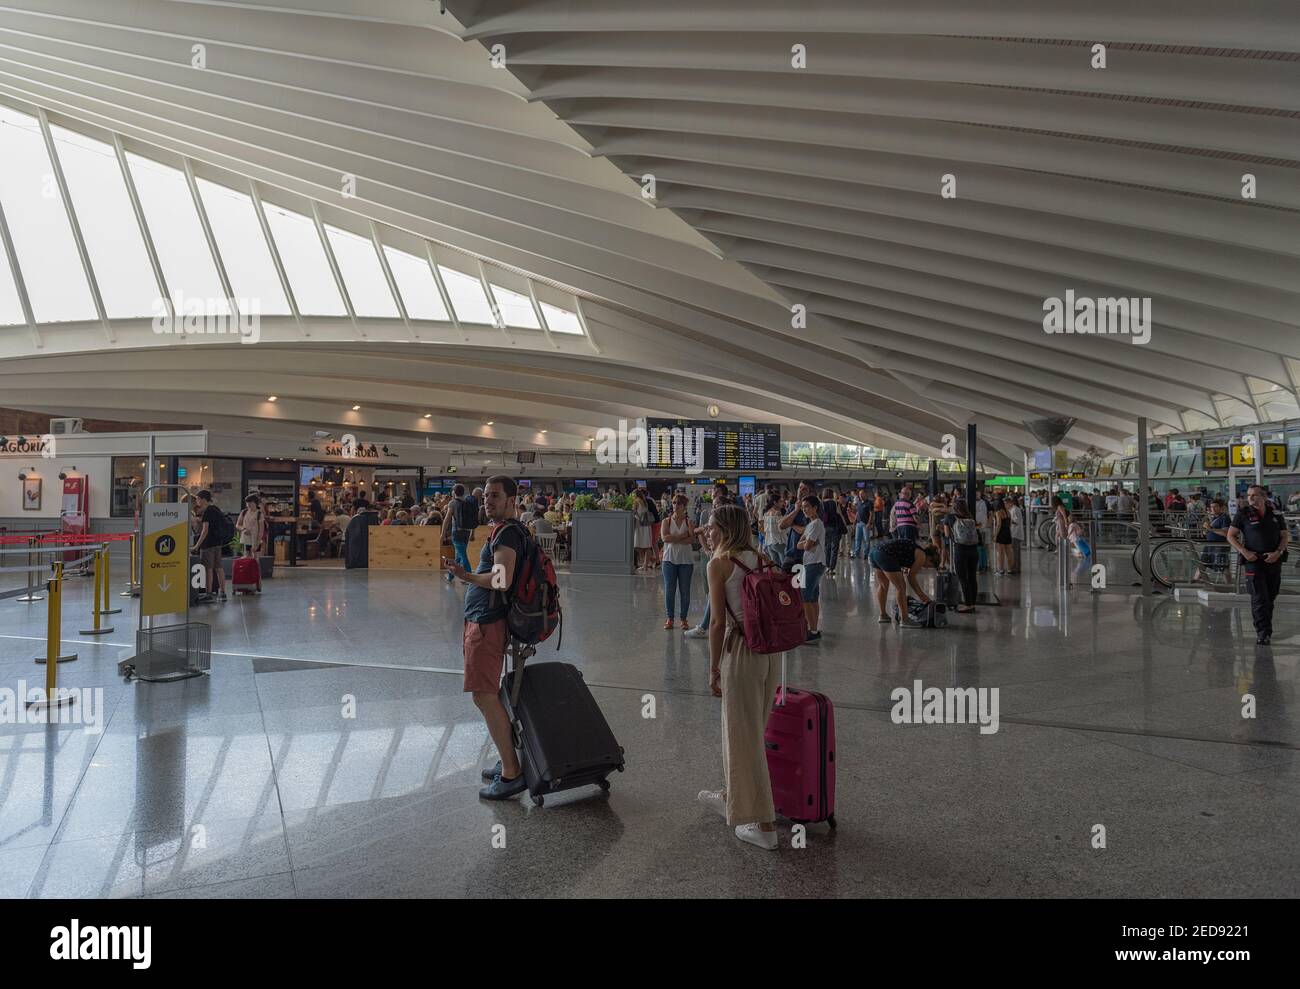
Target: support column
column 971, row 444
column 1144, row 509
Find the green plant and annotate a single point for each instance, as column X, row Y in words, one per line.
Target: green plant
column 586, row 503
column 621, row 503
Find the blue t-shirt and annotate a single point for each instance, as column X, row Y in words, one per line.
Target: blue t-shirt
column 794, row 537
column 1217, row 533
column 484, row 605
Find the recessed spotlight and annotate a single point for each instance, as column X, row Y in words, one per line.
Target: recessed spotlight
column 428, row 415
column 356, row 408
column 491, row 422
column 543, row 431
column 272, row 398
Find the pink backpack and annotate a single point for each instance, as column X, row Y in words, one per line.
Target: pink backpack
column 773, row 608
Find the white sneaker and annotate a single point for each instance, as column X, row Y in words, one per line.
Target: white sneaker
column 698, row 632
column 753, row 834
column 715, row 801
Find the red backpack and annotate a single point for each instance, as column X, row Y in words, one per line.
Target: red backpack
column 772, row 606
column 534, row 596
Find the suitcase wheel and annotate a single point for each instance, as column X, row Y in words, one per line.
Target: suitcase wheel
column 604, row 785
column 831, row 821
column 538, row 800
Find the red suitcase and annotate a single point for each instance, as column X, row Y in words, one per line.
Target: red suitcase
column 800, row 740
column 245, row 575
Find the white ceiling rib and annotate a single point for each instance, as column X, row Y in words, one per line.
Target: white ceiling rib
column 774, row 186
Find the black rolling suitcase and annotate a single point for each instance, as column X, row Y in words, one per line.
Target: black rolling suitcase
column 946, row 588
column 563, row 738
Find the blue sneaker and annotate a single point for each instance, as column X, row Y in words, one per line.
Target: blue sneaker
column 501, row 789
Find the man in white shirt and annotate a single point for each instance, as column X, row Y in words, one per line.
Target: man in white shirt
column 1112, row 500
column 1124, row 503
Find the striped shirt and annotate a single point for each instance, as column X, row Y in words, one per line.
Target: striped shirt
column 903, row 514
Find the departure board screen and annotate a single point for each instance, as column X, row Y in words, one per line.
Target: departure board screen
column 728, row 446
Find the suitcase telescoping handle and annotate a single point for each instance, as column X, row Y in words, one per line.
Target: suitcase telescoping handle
column 782, row 680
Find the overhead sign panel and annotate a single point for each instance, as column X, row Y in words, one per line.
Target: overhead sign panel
column 729, row 446
column 1214, row 458
column 1275, row 455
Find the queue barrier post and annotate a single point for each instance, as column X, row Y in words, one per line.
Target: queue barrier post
column 31, row 594
column 96, row 628
column 133, row 584
column 104, row 609
column 53, row 629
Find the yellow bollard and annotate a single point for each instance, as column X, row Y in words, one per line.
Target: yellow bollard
column 94, row 598
column 133, row 587
column 104, row 609
column 31, row 595
column 53, row 628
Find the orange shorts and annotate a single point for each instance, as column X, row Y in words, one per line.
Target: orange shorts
column 485, row 655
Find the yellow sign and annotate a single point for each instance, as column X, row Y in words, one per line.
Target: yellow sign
column 1274, row 454
column 164, row 579
column 1060, row 459
column 1214, row 458
column 1243, row 455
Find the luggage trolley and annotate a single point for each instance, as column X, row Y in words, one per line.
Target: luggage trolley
column 165, row 653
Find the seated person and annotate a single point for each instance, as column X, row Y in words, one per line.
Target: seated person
column 538, row 524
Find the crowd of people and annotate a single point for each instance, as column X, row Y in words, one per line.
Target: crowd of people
column 800, row 531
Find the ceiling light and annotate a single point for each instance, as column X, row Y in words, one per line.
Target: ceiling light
column 272, row 398
column 428, row 415
column 356, row 408
column 543, row 431
column 491, row 422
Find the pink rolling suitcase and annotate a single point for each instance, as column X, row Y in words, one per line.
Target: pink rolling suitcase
column 800, row 740
column 245, row 575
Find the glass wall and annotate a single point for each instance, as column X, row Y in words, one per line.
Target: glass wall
column 224, row 478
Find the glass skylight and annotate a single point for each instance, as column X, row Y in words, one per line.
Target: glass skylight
column 42, row 235
column 244, row 253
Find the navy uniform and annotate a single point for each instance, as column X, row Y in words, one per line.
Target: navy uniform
column 1261, row 533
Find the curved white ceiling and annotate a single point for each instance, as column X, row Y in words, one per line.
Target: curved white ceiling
column 774, row 186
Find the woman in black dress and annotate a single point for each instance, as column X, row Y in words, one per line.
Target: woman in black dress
column 1002, row 537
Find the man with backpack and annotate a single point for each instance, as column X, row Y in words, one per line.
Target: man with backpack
column 487, row 603
column 215, row 530
column 459, row 524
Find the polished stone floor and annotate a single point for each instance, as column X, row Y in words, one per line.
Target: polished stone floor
column 252, row 782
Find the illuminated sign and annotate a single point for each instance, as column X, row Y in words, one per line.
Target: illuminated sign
column 1214, row 458
column 1275, row 455
column 727, row 445
column 1243, row 455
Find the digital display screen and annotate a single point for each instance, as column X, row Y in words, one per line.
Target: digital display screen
column 308, row 474
column 592, row 484
column 525, row 484
column 746, row 483
column 729, row 446
column 641, row 484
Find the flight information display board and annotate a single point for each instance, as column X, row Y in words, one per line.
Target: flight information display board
column 733, row 446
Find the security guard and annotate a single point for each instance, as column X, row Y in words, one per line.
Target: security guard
column 1260, row 535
